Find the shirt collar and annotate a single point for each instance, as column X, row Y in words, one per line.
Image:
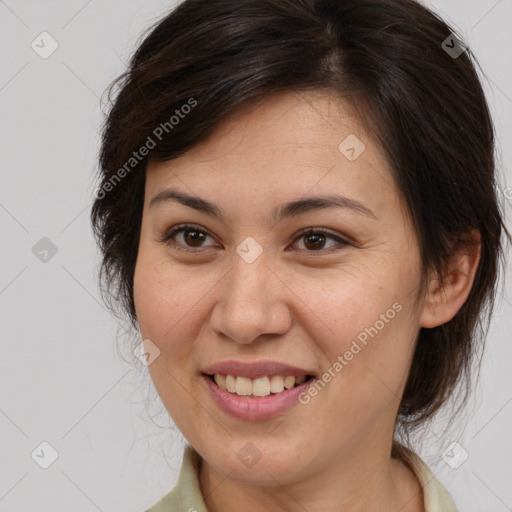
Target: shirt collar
column 187, row 496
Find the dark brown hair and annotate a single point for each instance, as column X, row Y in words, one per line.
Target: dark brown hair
column 392, row 59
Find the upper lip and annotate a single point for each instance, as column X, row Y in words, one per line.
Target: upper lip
column 255, row 369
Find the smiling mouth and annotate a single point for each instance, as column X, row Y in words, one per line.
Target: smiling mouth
column 257, row 388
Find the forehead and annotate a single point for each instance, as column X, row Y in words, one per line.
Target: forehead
column 290, row 122
column 282, row 147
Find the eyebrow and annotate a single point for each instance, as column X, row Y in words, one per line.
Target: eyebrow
column 280, row 212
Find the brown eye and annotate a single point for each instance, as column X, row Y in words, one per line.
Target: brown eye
column 315, row 239
column 191, row 236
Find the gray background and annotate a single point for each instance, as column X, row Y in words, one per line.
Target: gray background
column 64, row 378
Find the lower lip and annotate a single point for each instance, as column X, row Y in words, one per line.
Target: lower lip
column 258, row 408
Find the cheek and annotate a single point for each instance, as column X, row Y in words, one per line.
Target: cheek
column 151, row 304
column 348, row 305
column 156, row 307
column 159, row 294
column 365, row 325
column 169, row 305
column 164, row 301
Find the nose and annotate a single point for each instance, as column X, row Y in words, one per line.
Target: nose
column 251, row 303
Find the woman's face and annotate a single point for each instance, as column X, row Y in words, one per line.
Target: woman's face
column 339, row 306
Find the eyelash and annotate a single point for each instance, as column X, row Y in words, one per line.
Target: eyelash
column 167, row 238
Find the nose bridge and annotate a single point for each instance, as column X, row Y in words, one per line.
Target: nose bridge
column 249, row 278
column 249, row 303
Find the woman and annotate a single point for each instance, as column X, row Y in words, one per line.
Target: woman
column 297, row 211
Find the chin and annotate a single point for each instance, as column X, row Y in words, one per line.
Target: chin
column 255, row 463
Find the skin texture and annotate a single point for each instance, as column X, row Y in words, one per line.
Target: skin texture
column 293, row 304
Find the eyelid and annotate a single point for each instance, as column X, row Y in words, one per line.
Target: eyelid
column 169, row 234
column 322, row 231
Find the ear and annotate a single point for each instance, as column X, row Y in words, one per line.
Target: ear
column 447, row 293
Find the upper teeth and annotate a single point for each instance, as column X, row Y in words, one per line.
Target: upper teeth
column 262, row 386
